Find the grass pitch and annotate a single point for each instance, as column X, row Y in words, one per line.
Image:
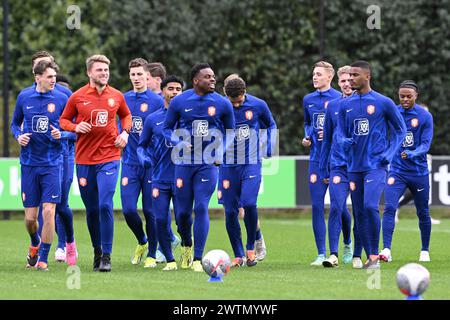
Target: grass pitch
column 284, row 274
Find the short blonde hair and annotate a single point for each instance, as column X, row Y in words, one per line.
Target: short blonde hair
column 326, row 65
column 342, row 70
column 96, row 58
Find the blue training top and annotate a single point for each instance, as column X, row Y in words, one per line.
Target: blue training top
column 38, row 112
column 419, row 134
column 314, row 107
column 250, row 117
column 332, row 154
column 201, row 121
column 371, row 130
column 141, row 105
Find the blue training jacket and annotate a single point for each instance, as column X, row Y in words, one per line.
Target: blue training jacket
column 314, row 107
column 250, row 117
column 202, row 122
column 141, row 105
column 38, row 112
column 419, row 134
column 371, row 130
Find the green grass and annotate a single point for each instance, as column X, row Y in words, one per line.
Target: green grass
column 284, row 274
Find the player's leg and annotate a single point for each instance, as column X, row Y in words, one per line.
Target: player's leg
column 374, row 183
column 130, row 188
column 346, row 220
column 317, row 189
column 420, row 188
column 394, row 189
column 230, row 188
column 357, row 247
column 107, row 175
column 251, row 181
column 184, row 200
column 87, row 183
column 337, row 202
column 148, row 191
column 65, row 216
column 204, row 184
column 60, row 253
column 50, row 183
column 31, row 197
column 161, row 195
column 356, row 186
column 407, row 198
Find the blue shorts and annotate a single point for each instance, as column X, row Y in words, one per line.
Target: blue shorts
column 40, row 185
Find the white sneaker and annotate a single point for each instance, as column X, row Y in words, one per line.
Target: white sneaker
column 260, row 249
column 435, row 221
column 357, row 263
column 160, row 258
column 319, row 260
column 60, row 255
column 424, row 256
column 385, row 255
column 396, row 216
column 331, row 262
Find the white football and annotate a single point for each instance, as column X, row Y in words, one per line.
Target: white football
column 413, row 279
column 216, row 263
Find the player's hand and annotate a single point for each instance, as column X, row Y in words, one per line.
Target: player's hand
column 121, row 140
column 404, row 155
column 306, row 142
column 24, row 139
column 56, row 134
column 83, row 127
column 320, row 134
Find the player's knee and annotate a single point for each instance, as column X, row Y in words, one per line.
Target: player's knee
column 201, row 208
column 105, row 207
column 371, row 207
column 389, row 209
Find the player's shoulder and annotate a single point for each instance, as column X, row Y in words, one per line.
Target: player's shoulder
column 310, row 96
column 114, row 92
column 153, row 96
column 129, row 94
column 26, row 92
column 422, row 112
column 254, row 100
column 81, row 91
column 59, row 95
column 182, row 96
column 381, row 97
column 334, row 93
column 66, row 91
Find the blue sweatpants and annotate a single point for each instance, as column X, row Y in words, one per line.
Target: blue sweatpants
column 97, row 187
column 64, row 215
column 317, row 190
column 420, row 188
column 339, row 218
column 162, row 193
column 366, row 189
column 240, row 186
column 194, row 188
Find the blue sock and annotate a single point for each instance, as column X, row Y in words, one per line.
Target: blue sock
column 35, row 239
column 258, row 234
column 43, row 251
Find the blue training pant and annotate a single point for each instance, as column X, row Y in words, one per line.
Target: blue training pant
column 366, row 189
column 240, row 186
column 339, row 218
column 420, row 189
column 318, row 189
column 162, row 193
column 194, row 188
column 97, row 187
